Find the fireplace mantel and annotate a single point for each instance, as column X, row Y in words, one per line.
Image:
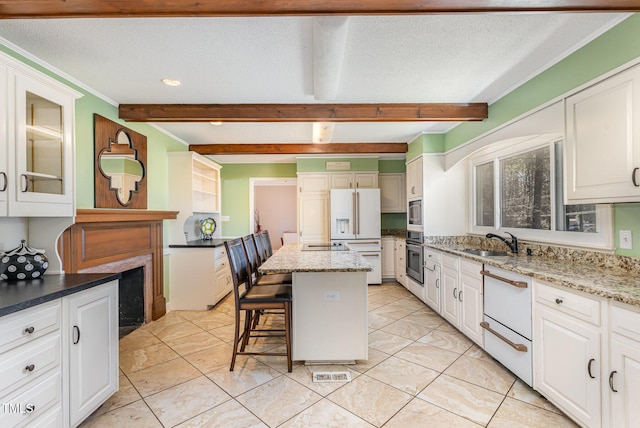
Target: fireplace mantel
column 107, row 236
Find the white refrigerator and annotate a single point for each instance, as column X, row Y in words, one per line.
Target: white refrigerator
column 355, row 220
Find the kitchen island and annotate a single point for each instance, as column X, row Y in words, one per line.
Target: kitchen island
column 330, row 303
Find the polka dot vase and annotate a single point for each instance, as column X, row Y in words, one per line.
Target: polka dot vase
column 22, row 263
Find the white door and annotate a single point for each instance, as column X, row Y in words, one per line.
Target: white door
column 368, row 213
column 567, row 364
column 471, row 306
column 314, row 217
column 4, row 166
column 432, row 286
column 388, row 258
column 450, row 304
column 343, row 207
column 92, row 329
column 624, row 382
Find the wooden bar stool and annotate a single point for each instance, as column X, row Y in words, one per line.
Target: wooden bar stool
column 256, row 251
column 253, row 299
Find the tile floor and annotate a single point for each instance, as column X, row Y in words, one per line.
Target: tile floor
column 421, row 372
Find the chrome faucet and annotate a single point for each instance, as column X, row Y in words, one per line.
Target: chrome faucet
column 513, row 244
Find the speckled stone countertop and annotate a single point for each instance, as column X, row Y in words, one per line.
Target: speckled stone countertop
column 396, row 233
column 593, row 278
column 290, row 258
column 201, row 243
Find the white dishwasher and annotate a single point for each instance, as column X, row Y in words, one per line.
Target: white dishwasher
column 507, row 320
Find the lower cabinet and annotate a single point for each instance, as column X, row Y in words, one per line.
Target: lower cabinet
column 92, row 365
column 59, row 359
column 401, row 261
column 432, row 279
column 462, row 301
column 388, row 258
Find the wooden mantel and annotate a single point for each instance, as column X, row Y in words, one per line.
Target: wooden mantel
column 106, row 236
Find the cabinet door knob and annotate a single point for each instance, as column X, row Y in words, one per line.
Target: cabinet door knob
column 5, row 183
column 30, row 368
column 633, row 177
column 558, row 301
column 29, row 330
column 76, row 331
column 611, row 381
column 589, row 368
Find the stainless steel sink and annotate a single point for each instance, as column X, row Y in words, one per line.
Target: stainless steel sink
column 485, row 253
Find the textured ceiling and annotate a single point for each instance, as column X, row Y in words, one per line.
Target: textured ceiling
column 382, row 59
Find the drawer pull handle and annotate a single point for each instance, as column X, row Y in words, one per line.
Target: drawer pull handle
column 633, row 177
column 460, row 296
column 25, row 183
column 4, row 181
column 30, row 368
column 611, row 381
column 455, row 295
column 589, row 368
column 29, row 330
column 519, row 284
column 559, row 301
column 76, row 331
column 437, row 282
column 517, row 346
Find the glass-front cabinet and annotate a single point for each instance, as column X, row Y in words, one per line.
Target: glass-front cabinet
column 42, row 180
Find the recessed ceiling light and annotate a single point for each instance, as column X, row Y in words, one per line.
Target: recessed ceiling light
column 171, row 82
column 216, row 123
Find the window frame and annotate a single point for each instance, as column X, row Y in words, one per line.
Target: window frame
column 601, row 239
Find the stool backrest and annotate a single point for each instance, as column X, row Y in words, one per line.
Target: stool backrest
column 262, row 250
column 267, row 242
column 239, row 265
column 252, row 254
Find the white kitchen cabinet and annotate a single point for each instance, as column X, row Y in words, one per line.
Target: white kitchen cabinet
column 432, row 279
column 313, row 182
column 92, row 342
column 199, row 277
column 414, row 178
column 609, row 111
column 313, row 207
column 393, row 195
column 37, row 126
column 194, row 188
column 353, row 180
column 623, row 377
column 568, row 366
column 462, row 298
column 401, row 261
column 388, row 258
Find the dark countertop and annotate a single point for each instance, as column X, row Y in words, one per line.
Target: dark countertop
column 202, row 243
column 18, row 295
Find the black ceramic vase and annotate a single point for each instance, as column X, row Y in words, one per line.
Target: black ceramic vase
column 22, row 263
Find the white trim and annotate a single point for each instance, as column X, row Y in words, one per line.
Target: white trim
column 601, row 240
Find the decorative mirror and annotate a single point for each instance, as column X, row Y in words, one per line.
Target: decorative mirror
column 120, row 158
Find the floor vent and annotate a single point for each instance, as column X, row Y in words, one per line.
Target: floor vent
column 319, row 377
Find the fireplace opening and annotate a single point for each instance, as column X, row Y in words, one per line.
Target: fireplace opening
column 131, row 300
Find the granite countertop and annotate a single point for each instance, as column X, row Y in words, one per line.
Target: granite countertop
column 18, row 295
column 290, row 258
column 202, row 243
column 601, row 281
column 396, row 233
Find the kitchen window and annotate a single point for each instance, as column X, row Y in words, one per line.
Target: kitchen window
column 519, row 189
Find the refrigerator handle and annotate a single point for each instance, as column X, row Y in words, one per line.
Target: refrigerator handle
column 353, row 212
column 358, row 212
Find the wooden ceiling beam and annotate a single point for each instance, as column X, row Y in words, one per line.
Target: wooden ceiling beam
column 222, row 8
column 298, row 149
column 303, row 112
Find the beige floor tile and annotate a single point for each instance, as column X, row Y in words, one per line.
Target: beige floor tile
column 212, row 359
column 513, row 413
column 383, row 298
column 225, row 332
column 403, row 375
column 278, row 400
column 379, row 321
column 479, row 353
column 445, row 326
column 487, row 374
column 146, row 357
column 375, row 357
column 247, row 374
column 168, row 319
column 523, row 392
column 277, row 363
column 137, row 339
column 391, row 311
column 215, row 320
column 191, row 315
column 428, row 356
column 228, row 415
column 464, row 399
column 162, row 376
column 370, row 399
column 455, row 342
column 196, row 342
column 126, row 394
column 409, row 303
column 406, row 329
column 420, row 414
column 325, row 414
column 430, row 320
column 179, row 403
column 177, row 330
column 304, row 376
column 136, row 414
column 387, row 342
column 375, row 305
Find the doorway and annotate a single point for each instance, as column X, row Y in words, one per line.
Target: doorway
column 273, row 206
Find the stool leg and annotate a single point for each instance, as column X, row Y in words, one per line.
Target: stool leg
column 236, row 339
column 248, row 319
column 287, row 329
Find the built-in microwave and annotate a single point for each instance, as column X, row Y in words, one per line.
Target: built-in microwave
column 415, row 213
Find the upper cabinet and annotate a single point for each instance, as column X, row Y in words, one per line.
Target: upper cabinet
column 37, row 151
column 392, row 193
column 414, row 178
column 352, row 180
column 602, row 147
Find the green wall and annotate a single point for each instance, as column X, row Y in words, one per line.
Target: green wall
column 319, row 164
column 393, row 220
column 235, row 191
column 392, row 165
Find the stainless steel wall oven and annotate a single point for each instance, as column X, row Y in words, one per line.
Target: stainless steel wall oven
column 414, row 216
column 415, row 256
